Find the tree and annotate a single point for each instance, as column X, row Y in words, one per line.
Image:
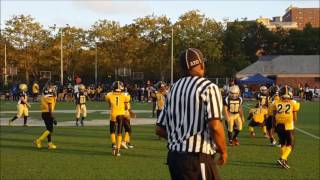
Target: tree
column 27, row 36
column 155, row 35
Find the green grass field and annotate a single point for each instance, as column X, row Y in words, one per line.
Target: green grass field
column 85, row 152
column 91, row 105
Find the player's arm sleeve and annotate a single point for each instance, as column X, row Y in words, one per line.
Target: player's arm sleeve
column 296, row 106
column 106, row 97
column 213, row 101
column 273, row 108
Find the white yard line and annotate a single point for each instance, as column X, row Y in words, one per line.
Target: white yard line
column 298, row 129
column 94, row 122
column 73, row 111
column 306, row 133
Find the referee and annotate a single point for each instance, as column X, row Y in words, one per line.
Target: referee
column 191, row 122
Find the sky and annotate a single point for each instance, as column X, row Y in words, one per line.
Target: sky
column 84, row 13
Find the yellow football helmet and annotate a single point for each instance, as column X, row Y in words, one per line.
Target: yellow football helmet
column 234, row 92
column 81, row 87
column 23, row 87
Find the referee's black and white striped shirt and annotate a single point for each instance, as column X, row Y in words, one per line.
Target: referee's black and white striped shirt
column 191, row 102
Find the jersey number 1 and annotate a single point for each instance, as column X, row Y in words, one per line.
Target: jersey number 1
column 117, row 101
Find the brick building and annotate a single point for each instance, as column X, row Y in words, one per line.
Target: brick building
column 286, row 69
column 302, row 16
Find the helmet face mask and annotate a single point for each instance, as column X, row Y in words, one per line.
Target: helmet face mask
column 234, row 95
column 48, row 91
column 81, row 88
column 234, row 92
column 264, row 90
column 162, row 87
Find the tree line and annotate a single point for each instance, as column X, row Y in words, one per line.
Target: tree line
column 145, row 46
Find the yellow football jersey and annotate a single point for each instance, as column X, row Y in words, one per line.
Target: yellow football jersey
column 127, row 113
column 160, row 100
column 24, row 96
column 270, row 101
column 284, row 112
column 46, row 102
column 117, row 101
column 258, row 114
column 233, row 105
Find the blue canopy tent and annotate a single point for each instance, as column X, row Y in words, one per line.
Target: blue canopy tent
column 255, row 79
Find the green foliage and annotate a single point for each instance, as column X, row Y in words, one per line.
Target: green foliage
column 145, row 45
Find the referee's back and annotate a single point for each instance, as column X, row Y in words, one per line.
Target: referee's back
column 191, row 102
column 191, row 122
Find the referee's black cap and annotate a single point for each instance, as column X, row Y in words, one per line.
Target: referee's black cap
column 191, row 58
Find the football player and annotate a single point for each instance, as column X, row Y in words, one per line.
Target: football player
column 118, row 103
column 273, row 96
column 256, row 117
column 126, row 124
column 47, row 106
column 160, row 99
column 285, row 116
column 80, row 100
column 35, row 91
column 263, row 102
column 234, row 114
column 262, row 97
column 22, row 106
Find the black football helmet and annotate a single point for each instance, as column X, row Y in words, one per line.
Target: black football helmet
column 117, row 86
column 273, row 90
column 48, row 91
column 286, row 92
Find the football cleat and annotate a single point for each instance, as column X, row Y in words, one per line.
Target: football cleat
column 130, row 145
column 38, row 143
column 77, row 124
column 285, row 164
column 114, row 149
column 81, row 122
column 51, row 146
column 117, row 152
column 280, row 162
column 236, row 142
column 124, row 145
column 25, row 125
column 273, row 143
column 252, row 134
column 230, row 143
column 265, row 135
